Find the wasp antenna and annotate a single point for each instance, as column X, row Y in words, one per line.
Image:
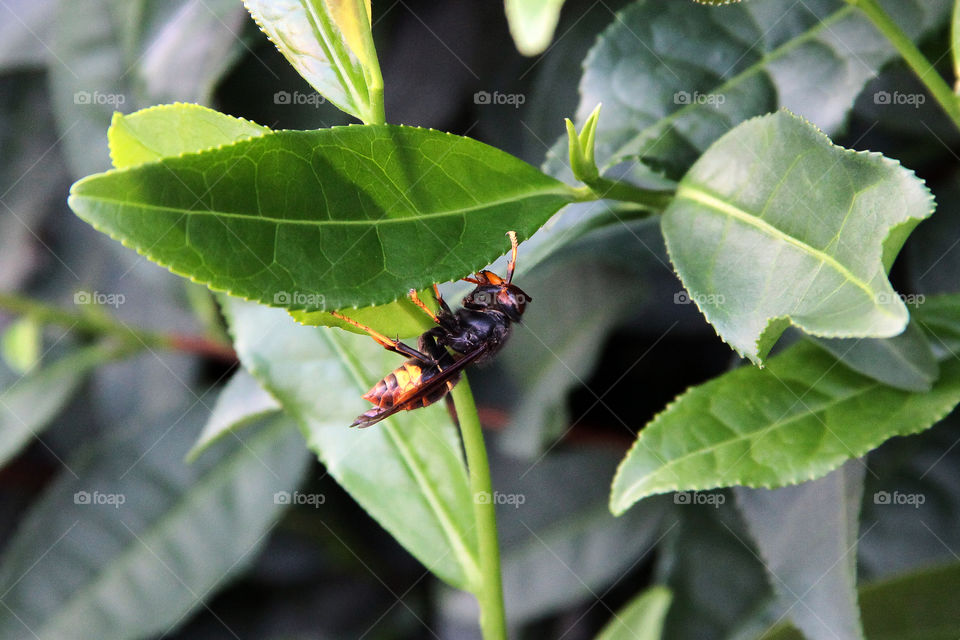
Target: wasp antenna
column 512, row 264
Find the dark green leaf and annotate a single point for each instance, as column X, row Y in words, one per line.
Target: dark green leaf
column 407, row 472
column 920, row 606
column 905, row 361
column 348, row 216
column 241, row 403
column 807, row 536
column 642, row 619
column 138, row 541
column 28, row 405
column 665, row 101
column 774, row 225
column 794, row 421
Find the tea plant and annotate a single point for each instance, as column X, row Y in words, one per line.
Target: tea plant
column 704, row 128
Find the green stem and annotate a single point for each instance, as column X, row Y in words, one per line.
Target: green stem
column 372, row 74
column 601, row 188
column 98, row 323
column 913, row 56
column 493, row 621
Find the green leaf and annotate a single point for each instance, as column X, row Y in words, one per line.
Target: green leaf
column 21, row 344
column 794, row 421
column 407, row 472
column 532, row 23
column 665, row 101
column 641, row 619
column 400, row 318
column 241, row 403
column 807, row 536
column 28, row 405
column 774, row 225
column 171, row 130
column 905, row 361
column 920, row 605
column 308, row 33
column 139, row 540
column 348, row 216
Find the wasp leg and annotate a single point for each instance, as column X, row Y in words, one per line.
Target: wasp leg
column 440, row 301
column 415, row 299
column 512, row 263
column 387, row 343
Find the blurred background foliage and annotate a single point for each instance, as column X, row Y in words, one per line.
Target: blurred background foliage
column 203, row 550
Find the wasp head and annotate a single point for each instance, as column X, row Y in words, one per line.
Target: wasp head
column 495, row 293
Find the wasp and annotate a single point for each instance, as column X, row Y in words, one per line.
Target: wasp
column 470, row 335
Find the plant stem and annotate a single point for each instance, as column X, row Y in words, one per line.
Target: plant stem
column 601, row 188
column 913, row 56
column 98, row 323
column 493, row 621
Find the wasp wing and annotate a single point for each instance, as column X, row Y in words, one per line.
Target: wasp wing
column 435, row 384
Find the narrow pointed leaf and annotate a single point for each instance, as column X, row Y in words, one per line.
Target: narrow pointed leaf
column 241, row 403
column 348, row 216
column 641, row 619
column 807, row 537
column 532, row 23
column 775, row 225
column 799, row 418
column 407, row 472
column 29, row 404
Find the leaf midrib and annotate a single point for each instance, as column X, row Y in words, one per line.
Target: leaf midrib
column 751, row 435
column 702, row 197
column 281, row 221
